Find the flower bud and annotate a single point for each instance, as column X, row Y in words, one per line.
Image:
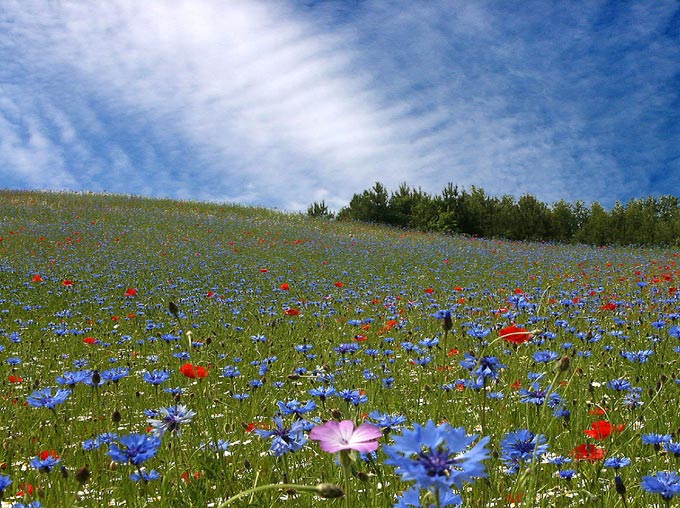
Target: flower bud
column 329, row 491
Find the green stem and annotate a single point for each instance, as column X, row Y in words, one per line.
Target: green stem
column 345, row 462
column 309, row 489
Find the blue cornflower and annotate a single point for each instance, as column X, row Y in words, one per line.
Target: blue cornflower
column 138, row 448
column 45, row 465
column 44, row 398
column 567, row 474
column 231, row 371
column 13, row 360
column 673, row 448
column 285, row 439
column 666, row 483
column 221, row 445
column 5, row 481
column 637, row 356
column 437, row 457
column 521, row 446
column 295, row 407
column 156, row 377
column 656, row 439
column 351, row 347
column 619, row 384
column 115, row 374
column 484, row 367
column 323, row 392
column 545, row 356
column 72, row 378
column 429, row 342
column 411, row 498
column 617, row 462
column 354, row 397
column 387, row 422
column 559, row 461
column 142, row 475
column 170, row 419
column 538, row 396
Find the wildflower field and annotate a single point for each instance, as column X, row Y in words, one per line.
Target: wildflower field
column 160, row 353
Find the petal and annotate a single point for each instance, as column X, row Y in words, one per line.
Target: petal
column 366, row 432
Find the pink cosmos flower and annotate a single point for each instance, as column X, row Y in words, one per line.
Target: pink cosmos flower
column 337, row 436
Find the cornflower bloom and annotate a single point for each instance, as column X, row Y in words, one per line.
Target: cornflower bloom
column 45, row 462
column 387, row 422
column 617, row 462
column 666, row 483
column 156, row 377
column 72, row 378
column 486, row 367
column 354, row 397
column 521, row 446
column 437, row 458
column 171, row 419
column 5, row 481
column 286, row 439
column 138, row 448
column 538, row 396
column 115, row 374
column 145, row 476
column 545, row 356
column 44, row 398
column 323, row 392
column 295, row 407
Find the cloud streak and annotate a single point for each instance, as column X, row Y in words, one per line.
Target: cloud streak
column 281, row 104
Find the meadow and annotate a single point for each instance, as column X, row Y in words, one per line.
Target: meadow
column 163, row 353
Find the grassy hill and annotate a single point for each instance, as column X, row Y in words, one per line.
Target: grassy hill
column 224, row 334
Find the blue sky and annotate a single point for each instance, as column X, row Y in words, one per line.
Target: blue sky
column 281, row 103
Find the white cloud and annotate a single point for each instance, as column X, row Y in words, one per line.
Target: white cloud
column 267, row 103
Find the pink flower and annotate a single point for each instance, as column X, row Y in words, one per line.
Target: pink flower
column 337, row 436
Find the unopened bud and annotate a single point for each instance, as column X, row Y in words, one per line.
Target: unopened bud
column 329, row 491
column 82, row 475
column 620, row 487
column 563, row 366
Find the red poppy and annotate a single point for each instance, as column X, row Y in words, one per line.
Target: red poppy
column 210, row 294
column 515, row 334
column 360, row 338
column 15, row 379
column 264, row 270
column 25, row 489
column 37, row 278
column 429, row 291
column 48, row 453
column 609, row 306
column 338, row 284
column 292, row 312
column 284, row 287
column 602, row 429
column 589, row 452
column 193, row 371
column 67, row 283
column 131, row 292
column 90, row 340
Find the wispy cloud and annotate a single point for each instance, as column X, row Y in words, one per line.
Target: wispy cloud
column 281, row 104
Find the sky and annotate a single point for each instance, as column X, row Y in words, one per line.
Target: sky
column 281, row 103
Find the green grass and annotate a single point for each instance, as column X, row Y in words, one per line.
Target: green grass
column 223, row 266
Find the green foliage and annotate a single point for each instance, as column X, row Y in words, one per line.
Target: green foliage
column 649, row 221
column 218, row 283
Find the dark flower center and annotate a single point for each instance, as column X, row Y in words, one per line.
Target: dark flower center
column 436, row 462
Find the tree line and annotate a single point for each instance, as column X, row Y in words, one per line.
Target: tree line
column 641, row 221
